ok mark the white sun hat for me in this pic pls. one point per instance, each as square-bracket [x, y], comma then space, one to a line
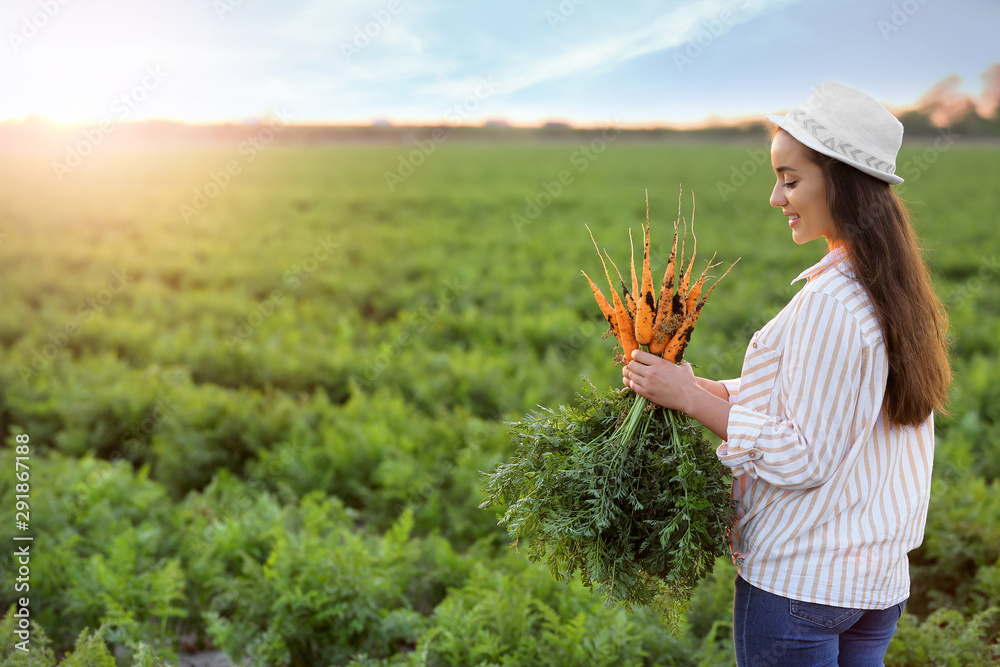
[848, 125]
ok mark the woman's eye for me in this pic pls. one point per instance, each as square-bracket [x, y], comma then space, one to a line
[790, 184]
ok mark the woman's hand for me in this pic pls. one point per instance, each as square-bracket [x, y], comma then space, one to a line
[674, 386]
[665, 383]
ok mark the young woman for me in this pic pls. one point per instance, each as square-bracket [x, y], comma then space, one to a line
[829, 429]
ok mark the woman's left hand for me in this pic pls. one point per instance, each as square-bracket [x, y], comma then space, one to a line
[662, 382]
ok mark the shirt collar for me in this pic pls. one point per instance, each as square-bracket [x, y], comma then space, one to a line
[831, 258]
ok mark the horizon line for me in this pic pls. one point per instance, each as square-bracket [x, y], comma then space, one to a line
[707, 123]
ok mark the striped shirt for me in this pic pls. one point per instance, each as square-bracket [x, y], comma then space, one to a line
[829, 497]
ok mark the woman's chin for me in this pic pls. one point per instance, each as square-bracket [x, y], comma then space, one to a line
[801, 238]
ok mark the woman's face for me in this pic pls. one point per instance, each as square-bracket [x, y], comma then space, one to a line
[800, 190]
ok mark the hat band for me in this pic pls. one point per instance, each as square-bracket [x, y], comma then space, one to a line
[856, 155]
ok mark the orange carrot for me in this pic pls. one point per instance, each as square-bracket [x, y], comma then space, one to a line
[674, 351]
[636, 318]
[662, 334]
[635, 284]
[664, 306]
[626, 336]
[606, 308]
[625, 325]
[646, 307]
[682, 290]
[659, 343]
[626, 295]
[629, 301]
[675, 348]
[695, 292]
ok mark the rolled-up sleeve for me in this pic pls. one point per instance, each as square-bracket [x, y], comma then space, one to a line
[824, 366]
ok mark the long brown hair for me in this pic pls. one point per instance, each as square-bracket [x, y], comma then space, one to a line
[875, 227]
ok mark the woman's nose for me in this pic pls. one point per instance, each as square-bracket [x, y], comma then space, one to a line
[778, 195]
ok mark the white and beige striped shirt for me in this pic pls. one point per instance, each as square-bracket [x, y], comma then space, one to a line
[830, 498]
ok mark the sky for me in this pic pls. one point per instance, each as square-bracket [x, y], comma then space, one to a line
[629, 62]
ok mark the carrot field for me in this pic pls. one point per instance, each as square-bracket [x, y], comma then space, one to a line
[255, 402]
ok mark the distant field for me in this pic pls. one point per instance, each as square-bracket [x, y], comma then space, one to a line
[312, 361]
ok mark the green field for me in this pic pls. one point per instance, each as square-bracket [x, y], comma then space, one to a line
[261, 428]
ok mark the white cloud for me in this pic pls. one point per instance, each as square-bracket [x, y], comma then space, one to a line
[672, 29]
[429, 55]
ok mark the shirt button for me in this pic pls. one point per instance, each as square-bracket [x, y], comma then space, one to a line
[755, 346]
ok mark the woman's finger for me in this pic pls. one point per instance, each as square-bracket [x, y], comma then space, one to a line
[637, 368]
[643, 357]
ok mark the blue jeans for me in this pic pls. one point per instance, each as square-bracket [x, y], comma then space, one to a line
[772, 630]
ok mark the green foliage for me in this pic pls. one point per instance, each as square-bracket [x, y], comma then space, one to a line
[643, 518]
[326, 591]
[523, 617]
[972, 433]
[946, 638]
[89, 650]
[179, 424]
[380, 455]
[708, 625]
[38, 651]
[962, 537]
[108, 538]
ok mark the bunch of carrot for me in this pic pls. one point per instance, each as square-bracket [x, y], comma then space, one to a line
[660, 324]
[626, 492]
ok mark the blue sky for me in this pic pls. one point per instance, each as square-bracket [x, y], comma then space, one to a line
[632, 62]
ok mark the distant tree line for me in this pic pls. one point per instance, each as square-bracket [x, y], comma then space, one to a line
[944, 106]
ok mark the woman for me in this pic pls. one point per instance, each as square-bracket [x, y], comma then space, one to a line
[829, 429]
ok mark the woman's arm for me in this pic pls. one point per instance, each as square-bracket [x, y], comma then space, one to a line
[714, 387]
[710, 409]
